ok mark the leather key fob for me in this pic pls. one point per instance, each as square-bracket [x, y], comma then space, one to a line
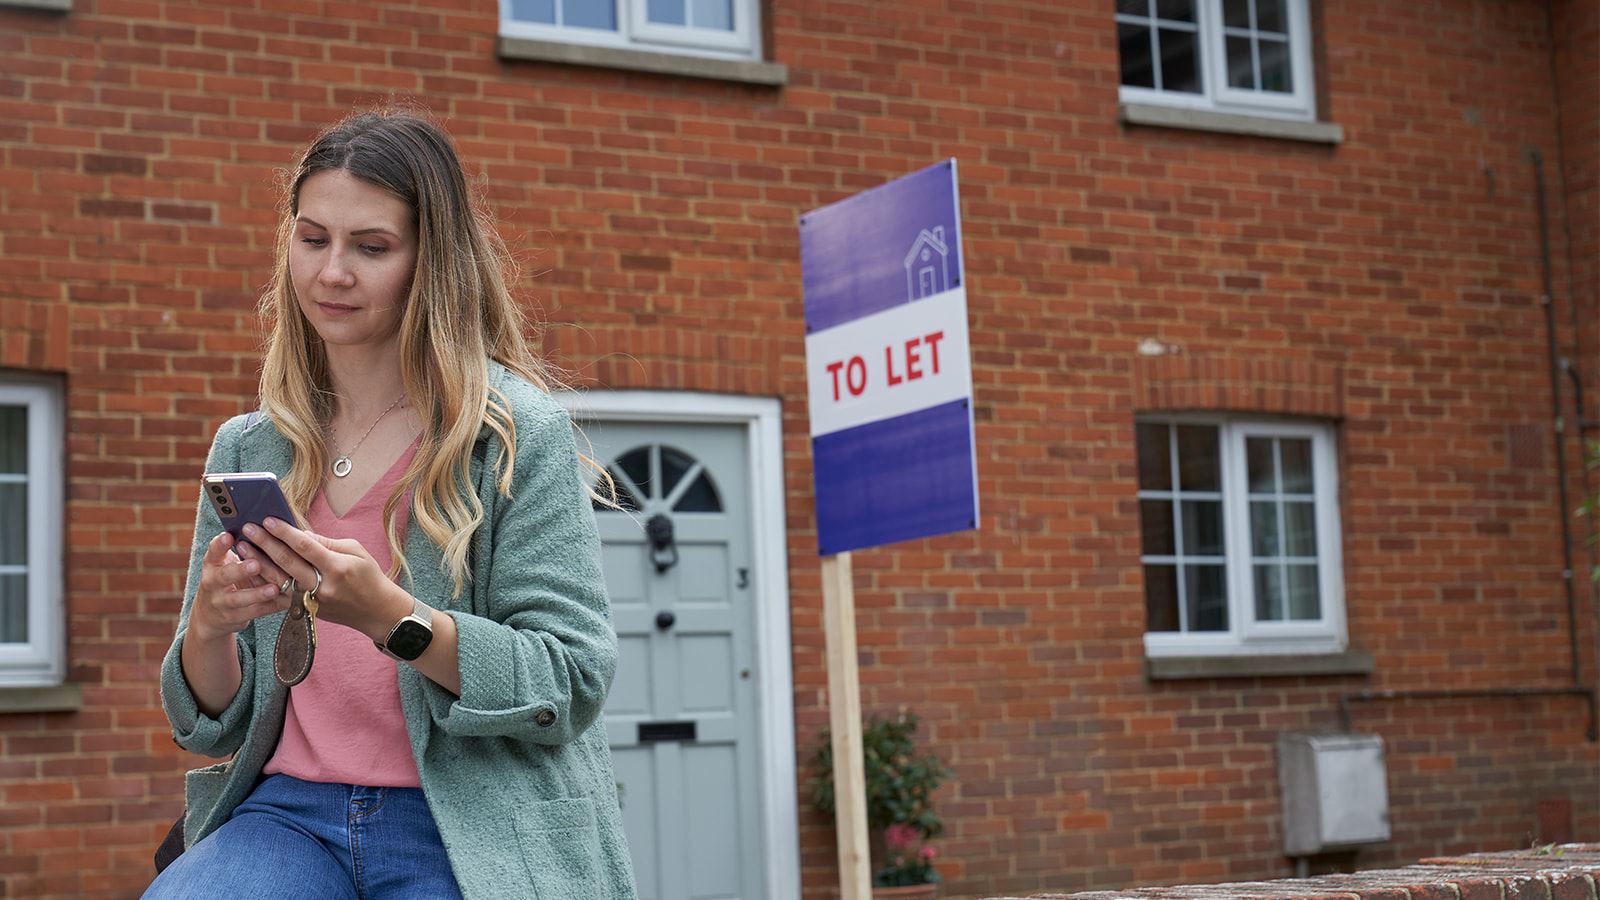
[297, 641]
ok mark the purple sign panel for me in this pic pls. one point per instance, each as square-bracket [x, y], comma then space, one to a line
[888, 365]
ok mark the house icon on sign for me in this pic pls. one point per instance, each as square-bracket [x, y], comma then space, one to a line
[928, 265]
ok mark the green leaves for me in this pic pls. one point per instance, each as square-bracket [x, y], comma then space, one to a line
[900, 777]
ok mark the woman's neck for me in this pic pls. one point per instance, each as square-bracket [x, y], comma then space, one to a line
[365, 379]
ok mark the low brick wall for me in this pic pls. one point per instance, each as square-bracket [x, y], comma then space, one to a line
[1561, 872]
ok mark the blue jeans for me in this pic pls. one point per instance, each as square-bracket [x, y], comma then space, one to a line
[298, 839]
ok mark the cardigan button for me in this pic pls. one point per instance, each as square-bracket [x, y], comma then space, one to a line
[544, 718]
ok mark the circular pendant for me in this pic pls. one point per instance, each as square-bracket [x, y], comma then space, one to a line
[341, 466]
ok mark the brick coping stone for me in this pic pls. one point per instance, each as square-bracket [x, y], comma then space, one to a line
[1557, 872]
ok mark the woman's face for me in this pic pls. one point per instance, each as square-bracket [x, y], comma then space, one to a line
[352, 255]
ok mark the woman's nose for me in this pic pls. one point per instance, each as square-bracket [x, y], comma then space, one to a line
[334, 273]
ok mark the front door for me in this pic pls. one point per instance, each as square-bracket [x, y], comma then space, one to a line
[681, 716]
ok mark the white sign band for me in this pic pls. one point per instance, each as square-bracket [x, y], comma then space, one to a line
[907, 358]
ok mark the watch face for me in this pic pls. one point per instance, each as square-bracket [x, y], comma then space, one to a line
[409, 639]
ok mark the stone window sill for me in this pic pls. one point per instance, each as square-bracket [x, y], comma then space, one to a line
[1170, 668]
[58, 698]
[1229, 123]
[747, 71]
[45, 5]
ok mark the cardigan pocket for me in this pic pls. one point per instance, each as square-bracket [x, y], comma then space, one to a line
[201, 790]
[560, 842]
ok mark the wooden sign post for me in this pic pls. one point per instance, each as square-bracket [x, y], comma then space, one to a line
[844, 705]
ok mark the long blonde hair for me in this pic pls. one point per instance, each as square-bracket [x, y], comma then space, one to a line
[458, 314]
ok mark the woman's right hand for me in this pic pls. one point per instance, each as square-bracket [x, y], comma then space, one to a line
[233, 592]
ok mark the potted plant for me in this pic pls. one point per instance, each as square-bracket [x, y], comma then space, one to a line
[900, 781]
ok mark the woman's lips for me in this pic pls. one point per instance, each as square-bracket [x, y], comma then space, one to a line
[337, 310]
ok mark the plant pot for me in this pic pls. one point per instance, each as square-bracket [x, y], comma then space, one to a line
[907, 892]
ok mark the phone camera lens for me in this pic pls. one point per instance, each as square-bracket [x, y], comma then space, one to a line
[216, 489]
[226, 511]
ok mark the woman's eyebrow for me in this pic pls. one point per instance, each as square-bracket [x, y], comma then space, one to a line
[386, 231]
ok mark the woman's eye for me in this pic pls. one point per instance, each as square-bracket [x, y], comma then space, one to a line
[373, 249]
[313, 241]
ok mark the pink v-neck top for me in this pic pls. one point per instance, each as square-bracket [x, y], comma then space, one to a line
[344, 724]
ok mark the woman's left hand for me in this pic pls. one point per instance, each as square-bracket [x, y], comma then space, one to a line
[355, 592]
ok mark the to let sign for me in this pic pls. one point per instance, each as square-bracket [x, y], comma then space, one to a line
[889, 370]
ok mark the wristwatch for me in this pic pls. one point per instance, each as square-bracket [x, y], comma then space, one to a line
[411, 635]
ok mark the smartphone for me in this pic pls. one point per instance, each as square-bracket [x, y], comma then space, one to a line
[245, 497]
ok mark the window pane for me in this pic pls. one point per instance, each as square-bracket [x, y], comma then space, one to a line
[1155, 516]
[1134, 7]
[1295, 455]
[1176, 10]
[1155, 456]
[1275, 74]
[1236, 13]
[1264, 528]
[1272, 16]
[1241, 65]
[1137, 70]
[1202, 528]
[1207, 596]
[700, 497]
[636, 465]
[622, 496]
[1180, 66]
[1269, 593]
[600, 14]
[716, 14]
[1161, 598]
[1304, 596]
[1197, 458]
[534, 11]
[13, 524]
[1300, 528]
[1258, 460]
[14, 440]
[666, 12]
[673, 465]
[13, 609]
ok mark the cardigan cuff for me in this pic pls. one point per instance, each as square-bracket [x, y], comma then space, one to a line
[192, 729]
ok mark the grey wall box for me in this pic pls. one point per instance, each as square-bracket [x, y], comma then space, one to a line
[1335, 794]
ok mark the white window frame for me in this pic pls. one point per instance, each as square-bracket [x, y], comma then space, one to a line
[1215, 94]
[636, 32]
[42, 659]
[1245, 635]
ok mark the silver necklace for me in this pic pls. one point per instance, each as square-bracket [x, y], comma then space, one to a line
[342, 465]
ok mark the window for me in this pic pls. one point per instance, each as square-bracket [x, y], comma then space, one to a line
[1240, 537]
[716, 28]
[31, 644]
[1235, 56]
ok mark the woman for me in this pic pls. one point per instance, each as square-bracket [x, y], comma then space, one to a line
[441, 744]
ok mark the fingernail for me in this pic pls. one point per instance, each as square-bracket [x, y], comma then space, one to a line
[271, 523]
[251, 530]
[252, 567]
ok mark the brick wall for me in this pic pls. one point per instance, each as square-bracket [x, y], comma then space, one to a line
[1391, 280]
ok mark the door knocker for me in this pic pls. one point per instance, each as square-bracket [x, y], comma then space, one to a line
[663, 552]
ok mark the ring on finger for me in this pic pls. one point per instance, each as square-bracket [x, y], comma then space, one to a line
[287, 584]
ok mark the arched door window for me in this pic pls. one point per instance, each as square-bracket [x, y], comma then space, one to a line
[657, 478]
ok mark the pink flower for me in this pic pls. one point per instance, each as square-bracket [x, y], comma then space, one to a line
[928, 853]
[901, 836]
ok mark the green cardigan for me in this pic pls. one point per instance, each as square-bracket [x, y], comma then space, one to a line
[526, 803]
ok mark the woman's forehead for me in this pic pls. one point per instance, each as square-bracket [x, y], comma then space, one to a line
[339, 201]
